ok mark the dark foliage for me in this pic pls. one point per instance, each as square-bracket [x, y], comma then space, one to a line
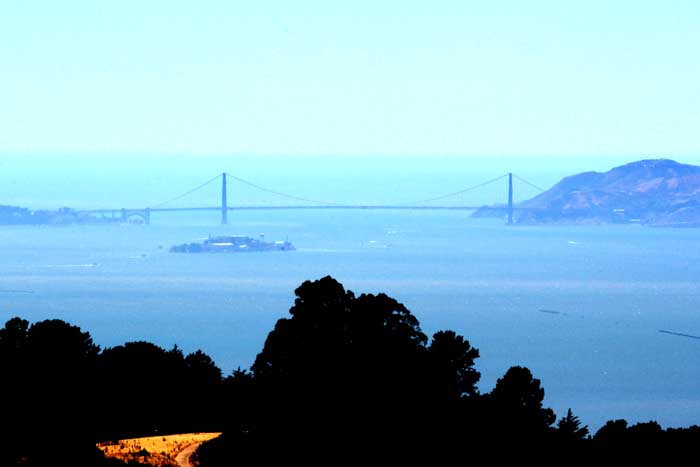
[157, 391]
[645, 443]
[347, 376]
[48, 373]
[452, 365]
[517, 400]
[570, 427]
[353, 379]
[62, 394]
[343, 379]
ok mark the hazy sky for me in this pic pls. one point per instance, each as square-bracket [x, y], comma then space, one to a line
[362, 77]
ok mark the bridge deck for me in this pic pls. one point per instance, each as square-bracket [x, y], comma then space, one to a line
[249, 208]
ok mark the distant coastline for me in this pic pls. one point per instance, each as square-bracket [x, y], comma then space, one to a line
[651, 192]
[16, 215]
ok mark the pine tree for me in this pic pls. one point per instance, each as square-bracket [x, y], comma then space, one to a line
[570, 427]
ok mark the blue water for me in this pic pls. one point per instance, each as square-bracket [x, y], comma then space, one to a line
[602, 355]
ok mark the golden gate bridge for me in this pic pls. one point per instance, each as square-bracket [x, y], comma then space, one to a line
[224, 207]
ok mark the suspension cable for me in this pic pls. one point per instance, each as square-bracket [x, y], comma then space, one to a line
[187, 193]
[279, 193]
[455, 193]
[528, 183]
[308, 200]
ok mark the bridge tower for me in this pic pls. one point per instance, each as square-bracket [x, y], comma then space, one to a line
[224, 203]
[510, 198]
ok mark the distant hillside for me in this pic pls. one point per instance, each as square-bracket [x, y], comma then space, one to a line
[655, 192]
[15, 215]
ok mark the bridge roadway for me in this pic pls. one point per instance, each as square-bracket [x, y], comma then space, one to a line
[224, 207]
[333, 206]
[145, 213]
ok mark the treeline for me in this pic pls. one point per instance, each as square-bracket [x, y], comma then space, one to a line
[354, 379]
[344, 378]
[62, 393]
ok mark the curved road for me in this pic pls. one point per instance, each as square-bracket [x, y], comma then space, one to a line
[183, 458]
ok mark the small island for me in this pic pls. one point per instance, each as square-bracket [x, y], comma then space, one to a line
[232, 244]
[651, 192]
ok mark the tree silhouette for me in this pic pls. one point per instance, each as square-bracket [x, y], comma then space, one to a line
[201, 387]
[49, 369]
[13, 338]
[520, 392]
[352, 373]
[570, 440]
[610, 432]
[570, 427]
[643, 443]
[515, 411]
[172, 392]
[202, 369]
[15, 428]
[452, 359]
[334, 344]
[62, 360]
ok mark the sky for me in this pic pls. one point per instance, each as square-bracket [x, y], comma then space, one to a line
[396, 78]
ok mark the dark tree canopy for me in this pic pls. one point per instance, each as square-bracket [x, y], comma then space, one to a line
[62, 394]
[347, 369]
[612, 430]
[13, 338]
[201, 369]
[162, 391]
[57, 341]
[331, 332]
[47, 377]
[516, 402]
[336, 343]
[343, 379]
[569, 427]
[453, 362]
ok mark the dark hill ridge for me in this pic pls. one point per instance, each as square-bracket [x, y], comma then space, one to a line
[655, 192]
